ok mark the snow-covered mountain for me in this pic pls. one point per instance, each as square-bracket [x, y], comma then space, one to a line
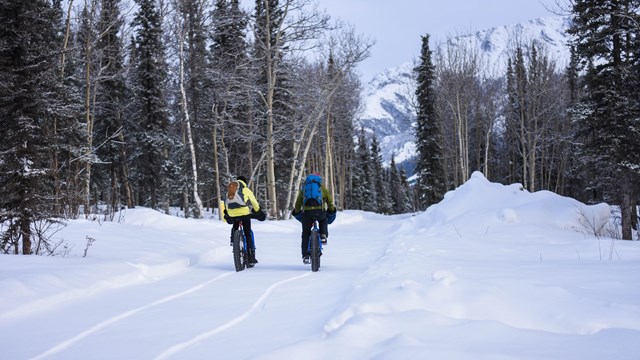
[389, 110]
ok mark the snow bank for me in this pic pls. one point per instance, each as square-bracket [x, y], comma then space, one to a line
[145, 245]
[487, 204]
[511, 267]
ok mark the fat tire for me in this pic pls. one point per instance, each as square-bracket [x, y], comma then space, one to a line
[239, 259]
[315, 251]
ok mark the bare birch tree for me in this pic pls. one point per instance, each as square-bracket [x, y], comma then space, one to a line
[458, 66]
[282, 28]
[181, 31]
[343, 50]
[533, 108]
[88, 38]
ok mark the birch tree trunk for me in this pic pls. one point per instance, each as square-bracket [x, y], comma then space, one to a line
[296, 25]
[329, 175]
[89, 124]
[304, 155]
[626, 206]
[298, 166]
[215, 161]
[293, 26]
[293, 173]
[66, 39]
[523, 148]
[458, 110]
[464, 139]
[272, 53]
[56, 180]
[125, 172]
[194, 168]
[297, 163]
[487, 143]
[533, 159]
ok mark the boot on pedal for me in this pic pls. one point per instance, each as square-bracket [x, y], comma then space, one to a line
[252, 257]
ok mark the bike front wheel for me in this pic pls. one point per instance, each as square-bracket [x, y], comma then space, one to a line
[238, 251]
[315, 251]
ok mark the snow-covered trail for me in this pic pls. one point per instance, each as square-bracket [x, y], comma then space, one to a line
[490, 272]
[207, 307]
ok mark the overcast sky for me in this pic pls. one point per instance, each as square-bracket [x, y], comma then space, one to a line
[397, 25]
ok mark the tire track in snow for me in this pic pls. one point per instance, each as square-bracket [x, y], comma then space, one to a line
[69, 342]
[233, 322]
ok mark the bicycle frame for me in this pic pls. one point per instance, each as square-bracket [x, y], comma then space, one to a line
[244, 237]
[314, 229]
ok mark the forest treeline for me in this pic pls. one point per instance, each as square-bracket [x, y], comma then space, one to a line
[110, 104]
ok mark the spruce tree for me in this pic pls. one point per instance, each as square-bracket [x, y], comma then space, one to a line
[228, 37]
[394, 186]
[431, 183]
[380, 190]
[408, 199]
[230, 88]
[31, 100]
[111, 173]
[151, 118]
[575, 180]
[605, 37]
[514, 112]
[67, 132]
[362, 185]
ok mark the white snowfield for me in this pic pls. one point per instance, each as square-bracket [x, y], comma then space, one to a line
[491, 272]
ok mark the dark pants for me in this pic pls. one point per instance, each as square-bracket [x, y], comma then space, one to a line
[307, 223]
[246, 226]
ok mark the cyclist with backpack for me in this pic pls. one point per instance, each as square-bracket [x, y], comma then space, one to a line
[237, 202]
[314, 202]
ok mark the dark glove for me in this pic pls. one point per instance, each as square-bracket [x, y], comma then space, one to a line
[259, 215]
[227, 218]
[297, 215]
[331, 215]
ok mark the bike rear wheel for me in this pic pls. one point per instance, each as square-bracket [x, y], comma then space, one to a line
[315, 250]
[238, 251]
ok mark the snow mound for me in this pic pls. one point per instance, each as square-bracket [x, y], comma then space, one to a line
[149, 217]
[490, 204]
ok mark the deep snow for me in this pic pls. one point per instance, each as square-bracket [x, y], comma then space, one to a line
[491, 272]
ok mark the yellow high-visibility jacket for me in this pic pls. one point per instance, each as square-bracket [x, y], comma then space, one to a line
[249, 199]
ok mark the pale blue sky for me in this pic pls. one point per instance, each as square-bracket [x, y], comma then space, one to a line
[397, 25]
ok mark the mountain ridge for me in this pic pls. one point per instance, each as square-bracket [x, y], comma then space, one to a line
[389, 98]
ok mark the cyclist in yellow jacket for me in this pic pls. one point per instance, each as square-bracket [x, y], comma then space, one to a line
[240, 206]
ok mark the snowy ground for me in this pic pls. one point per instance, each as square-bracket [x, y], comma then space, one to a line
[492, 272]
